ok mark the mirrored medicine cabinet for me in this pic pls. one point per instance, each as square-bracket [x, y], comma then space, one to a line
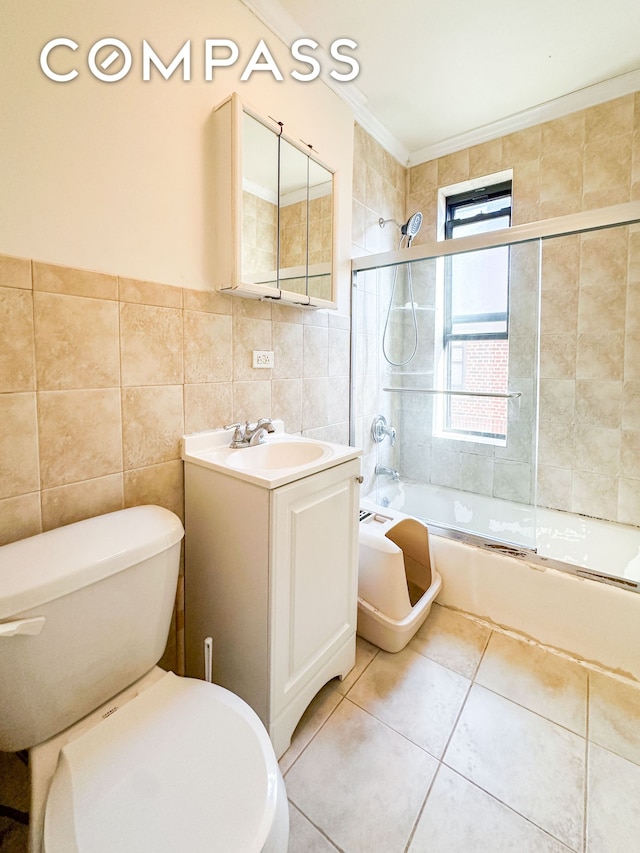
[274, 210]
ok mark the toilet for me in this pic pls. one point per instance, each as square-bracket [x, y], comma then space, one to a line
[123, 755]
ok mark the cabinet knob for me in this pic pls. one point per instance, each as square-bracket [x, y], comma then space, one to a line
[360, 479]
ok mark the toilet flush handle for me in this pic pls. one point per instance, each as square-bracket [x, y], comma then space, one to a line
[22, 626]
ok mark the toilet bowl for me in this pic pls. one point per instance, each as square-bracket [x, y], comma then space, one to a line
[123, 755]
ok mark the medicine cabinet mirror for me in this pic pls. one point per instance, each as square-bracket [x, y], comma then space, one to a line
[275, 223]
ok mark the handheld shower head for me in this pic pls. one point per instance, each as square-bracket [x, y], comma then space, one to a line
[409, 229]
[412, 226]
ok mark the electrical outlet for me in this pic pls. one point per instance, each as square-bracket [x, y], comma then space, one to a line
[262, 358]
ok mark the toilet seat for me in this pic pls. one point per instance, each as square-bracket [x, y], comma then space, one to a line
[185, 765]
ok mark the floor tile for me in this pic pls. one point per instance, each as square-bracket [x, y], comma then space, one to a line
[460, 817]
[365, 653]
[304, 837]
[529, 763]
[613, 803]
[322, 706]
[361, 783]
[544, 682]
[451, 639]
[417, 697]
[614, 715]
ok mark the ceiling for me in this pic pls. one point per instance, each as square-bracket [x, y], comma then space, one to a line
[436, 77]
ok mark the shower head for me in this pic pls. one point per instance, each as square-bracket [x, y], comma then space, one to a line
[412, 226]
[409, 229]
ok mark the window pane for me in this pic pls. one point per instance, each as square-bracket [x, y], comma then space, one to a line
[479, 366]
[480, 289]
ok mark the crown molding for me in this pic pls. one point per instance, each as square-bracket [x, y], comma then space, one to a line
[283, 25]
[590, 96]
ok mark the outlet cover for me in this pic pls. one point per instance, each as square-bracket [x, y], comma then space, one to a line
[262, 358]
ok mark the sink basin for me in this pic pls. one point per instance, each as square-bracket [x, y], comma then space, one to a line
[276, 454]
[283, 458]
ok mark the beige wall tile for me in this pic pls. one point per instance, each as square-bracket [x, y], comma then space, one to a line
[18, 445]
[632, 357]
[80, 435]
[315, 396]
[559, 311]
[607, 171]
[207, 406]
[611, 118]
[554, 487]
[628, 501]
[249, 335]
[600, 356]
[208, 352]
[149, 293]
[19, 517]
[453, 168]
[287, 350]
[604, 258]
[630, 453]
[286, 403]
[485, 159]
[557, 400]
[631, 404]
[560, 183]
[150, 345]
[76, 342]
[597, 450]
[209, 301]
[594, 494]
[521, 147]
[561, 263]
[74, 282]
[339, 352]
[558, 356]
[251, 400]
[77, 501]
[162, 485]
[567, 132]
[152, 425]
[15, 272]
[17, 356]
[315, 351]
[599, 403]
[601, 310]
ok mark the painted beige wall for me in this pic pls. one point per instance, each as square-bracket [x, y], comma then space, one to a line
[116, 177]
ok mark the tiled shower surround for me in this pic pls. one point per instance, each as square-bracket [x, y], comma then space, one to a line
[589, 408]
[100, 376]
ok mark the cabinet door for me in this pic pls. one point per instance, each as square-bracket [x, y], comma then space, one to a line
[313, 576]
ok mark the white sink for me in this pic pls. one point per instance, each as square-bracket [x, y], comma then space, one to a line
[277, 453]
[282, 459]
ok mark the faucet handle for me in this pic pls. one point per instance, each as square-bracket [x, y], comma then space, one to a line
[238, 435]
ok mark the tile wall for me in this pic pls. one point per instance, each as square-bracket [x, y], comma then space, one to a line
[590, 312]
[101, 375]
[378, 192]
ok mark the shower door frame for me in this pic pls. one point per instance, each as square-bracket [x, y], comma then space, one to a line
[561, 226]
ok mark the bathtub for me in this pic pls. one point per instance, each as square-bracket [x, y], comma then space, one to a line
[555, 596]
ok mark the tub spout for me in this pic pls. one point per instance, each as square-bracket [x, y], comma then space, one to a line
[383, 469]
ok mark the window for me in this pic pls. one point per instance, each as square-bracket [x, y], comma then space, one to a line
[476, 316]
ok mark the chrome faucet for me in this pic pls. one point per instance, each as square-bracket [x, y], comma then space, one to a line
[250, 434]
[382, 469]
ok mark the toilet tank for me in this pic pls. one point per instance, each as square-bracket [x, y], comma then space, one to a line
[85, 610]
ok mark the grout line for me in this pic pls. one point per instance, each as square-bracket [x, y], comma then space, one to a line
[315, 826]
[586, 769]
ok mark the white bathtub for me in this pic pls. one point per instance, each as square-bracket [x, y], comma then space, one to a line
[598, 623]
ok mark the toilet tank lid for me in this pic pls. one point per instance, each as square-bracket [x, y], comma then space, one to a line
[49, 565]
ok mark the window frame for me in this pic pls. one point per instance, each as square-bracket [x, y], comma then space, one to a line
[453, 203]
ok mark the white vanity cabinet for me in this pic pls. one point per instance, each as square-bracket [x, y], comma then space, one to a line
[271, 576]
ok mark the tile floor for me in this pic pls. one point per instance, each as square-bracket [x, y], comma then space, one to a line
[467, 741]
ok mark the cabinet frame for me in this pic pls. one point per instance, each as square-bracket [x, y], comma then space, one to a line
[228, 141]
[240, 577]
